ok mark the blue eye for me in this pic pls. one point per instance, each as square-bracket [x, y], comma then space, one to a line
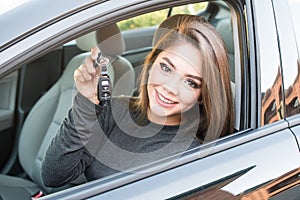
[192, 84]
[165, 68]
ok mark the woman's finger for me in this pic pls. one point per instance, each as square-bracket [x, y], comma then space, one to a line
[90, 66]
[94, 52]
[78, 75]
[84, 72]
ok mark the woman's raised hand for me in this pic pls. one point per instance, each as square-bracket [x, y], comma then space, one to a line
[86, 77]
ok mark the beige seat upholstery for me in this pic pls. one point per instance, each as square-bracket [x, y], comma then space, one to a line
[112, 45]
[45, 117]
[224, 27]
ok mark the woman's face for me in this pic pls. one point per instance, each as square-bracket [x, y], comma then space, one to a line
[174, 84]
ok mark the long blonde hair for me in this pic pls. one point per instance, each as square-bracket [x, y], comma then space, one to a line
[215, 101]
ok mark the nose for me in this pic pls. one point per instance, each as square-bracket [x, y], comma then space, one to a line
[172, 84]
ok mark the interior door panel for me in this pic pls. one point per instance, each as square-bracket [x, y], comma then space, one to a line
[8, 88]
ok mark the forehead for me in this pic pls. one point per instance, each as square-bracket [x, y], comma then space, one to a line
[185, 55]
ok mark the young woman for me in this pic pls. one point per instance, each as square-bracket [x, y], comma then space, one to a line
[184, 99]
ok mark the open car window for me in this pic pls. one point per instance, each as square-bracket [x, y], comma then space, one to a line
[41, 91]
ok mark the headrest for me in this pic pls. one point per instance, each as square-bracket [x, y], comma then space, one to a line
[108, 38]
[86, 42]
[167, 24]
[223, 27]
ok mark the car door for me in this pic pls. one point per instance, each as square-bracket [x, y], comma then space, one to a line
[250, 158]
[263, 148]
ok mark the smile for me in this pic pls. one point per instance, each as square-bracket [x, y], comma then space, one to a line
[163, 99]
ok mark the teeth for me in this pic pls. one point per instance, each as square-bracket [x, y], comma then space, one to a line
[164, 99]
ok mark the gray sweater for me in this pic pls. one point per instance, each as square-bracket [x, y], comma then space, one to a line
[100, 141]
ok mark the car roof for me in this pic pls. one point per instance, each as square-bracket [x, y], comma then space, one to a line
[34, 14]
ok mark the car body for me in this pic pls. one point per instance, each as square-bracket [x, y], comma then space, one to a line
[259, 161]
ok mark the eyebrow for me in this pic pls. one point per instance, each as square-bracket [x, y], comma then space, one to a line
[194, 77]
[188, 75]
[169, 61]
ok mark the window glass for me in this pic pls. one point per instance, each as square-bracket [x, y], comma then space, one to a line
[145, 20]
[269, 63]
[292, 81]
[295, 13]
[156, 17]
[190, 8]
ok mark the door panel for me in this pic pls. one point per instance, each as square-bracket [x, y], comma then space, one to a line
[8, 88]
[261, 160]
[263, 155]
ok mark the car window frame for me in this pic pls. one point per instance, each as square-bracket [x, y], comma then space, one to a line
[289, 51]
[229, 142]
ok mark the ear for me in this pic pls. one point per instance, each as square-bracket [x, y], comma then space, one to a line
[200, 100]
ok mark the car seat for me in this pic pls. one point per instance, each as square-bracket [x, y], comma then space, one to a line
[45, 117]
[224, 27]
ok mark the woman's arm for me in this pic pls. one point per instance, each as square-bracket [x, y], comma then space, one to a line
[70, 151]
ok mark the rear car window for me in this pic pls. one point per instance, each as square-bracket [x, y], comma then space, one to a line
[156, 17]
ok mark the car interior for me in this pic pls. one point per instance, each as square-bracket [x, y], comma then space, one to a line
[43, 101]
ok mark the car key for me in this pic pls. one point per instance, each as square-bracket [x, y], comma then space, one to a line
[104, 84]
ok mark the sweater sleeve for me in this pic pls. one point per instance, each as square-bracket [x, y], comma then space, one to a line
[71, 150]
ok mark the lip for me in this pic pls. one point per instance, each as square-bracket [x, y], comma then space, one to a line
[162, 103]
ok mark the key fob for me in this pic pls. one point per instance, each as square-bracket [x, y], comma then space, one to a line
[104, 83]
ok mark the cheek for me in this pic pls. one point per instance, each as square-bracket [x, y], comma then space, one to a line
[189, 98]
[154, 76]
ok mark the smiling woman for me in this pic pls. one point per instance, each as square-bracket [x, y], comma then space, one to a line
[174, 89]
[204, 56]
[172, 113]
